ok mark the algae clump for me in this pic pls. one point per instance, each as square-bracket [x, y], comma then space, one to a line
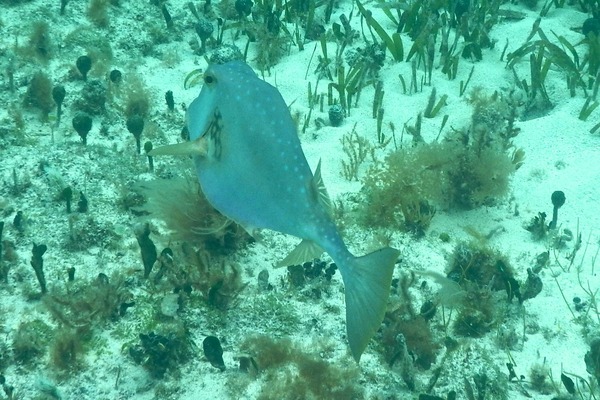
[287, 372]
[468, 168]
[39, 94]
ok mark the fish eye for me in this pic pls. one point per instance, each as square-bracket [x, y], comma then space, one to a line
[208, 79]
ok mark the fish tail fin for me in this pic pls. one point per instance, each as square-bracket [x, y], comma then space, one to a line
[367, 282]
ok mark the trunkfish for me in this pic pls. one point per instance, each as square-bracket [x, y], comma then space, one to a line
[252, 169]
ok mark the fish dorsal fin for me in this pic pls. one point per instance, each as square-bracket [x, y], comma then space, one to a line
[307, 250]
[321, 191]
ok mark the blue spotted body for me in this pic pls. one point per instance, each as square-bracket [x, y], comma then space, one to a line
[251, 168]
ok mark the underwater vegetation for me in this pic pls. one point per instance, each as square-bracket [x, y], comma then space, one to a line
[466, 169]
[309, 272]
[188, 216]
[77, 311]
[84, 65]
[218, 279]
[592, 359]
[92, 99]
[159, 354]
[468, 304]
[39, 94]
[85, 304]
[478, 264]
[85, 231]
[31, 341]
[137, 101]
[286, 371]
[481, 272]
[67, 352]
[211, 345]
[538, 226]
[539, 378]
[400, 192]
[579, 73]
[40, 42]
[97, 12]
[147, 247]
[193, 280]
[407, 339]
[82, 123]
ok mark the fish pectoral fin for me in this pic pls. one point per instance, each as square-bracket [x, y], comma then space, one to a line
[198, 147]
[307, 250]
[320, 191]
